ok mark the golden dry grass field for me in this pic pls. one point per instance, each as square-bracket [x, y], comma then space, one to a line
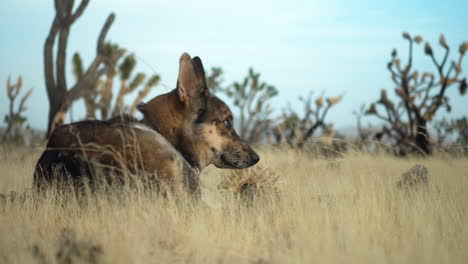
[345, 211]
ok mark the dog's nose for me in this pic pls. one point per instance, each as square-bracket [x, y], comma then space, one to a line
[255, 158]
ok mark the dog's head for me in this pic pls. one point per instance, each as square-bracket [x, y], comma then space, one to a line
[197, 123]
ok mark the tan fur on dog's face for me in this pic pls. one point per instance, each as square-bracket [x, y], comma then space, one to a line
[217, 139]
[197, 123]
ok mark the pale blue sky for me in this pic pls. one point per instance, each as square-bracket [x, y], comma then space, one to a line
[326, 46]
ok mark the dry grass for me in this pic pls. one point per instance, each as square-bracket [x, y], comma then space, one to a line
[320, 211]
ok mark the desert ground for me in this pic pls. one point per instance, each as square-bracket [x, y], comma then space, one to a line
[310, 209]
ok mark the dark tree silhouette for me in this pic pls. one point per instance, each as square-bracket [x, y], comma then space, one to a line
[419, 96]
[61, 95]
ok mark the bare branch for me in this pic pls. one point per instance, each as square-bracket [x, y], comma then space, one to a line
[49, 57]
[59, 9]
[410, 56]
[79, 11]
[443, 43]
[61, 60]
[438, 100]
[428, 89]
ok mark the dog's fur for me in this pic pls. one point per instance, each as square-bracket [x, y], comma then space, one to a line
[182, 132]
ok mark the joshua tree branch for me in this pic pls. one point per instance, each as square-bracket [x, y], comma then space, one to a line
[49, 57]
[410, 56]
[439, 69]
[404, 85]
[79, 11]
[92, 74]
[318, 123]
[61, 59]
[102, 36]
[438, 101]
[444, 60]
[21, 107]
[428, 89]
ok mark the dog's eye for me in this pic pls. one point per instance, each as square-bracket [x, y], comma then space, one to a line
[227, 123]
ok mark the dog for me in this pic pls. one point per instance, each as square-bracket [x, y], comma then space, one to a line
[181, 133]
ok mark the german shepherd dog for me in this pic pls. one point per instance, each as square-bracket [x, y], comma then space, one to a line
[181, 133]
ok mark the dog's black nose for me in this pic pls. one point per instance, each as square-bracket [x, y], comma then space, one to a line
[255, 158]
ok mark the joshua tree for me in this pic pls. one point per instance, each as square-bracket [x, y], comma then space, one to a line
[455, 127]
[296, 130]
[100, 95]
[61, 96]
[419, 96]
[126, 69]
[461, 128]
[251, 97]
[368, 134]
[15, 119]
[443, 129]
[364, 133]
[215, 79]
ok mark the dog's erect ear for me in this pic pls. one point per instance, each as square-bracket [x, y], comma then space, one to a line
[191, 84]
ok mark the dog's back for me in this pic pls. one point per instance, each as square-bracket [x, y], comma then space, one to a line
[88, 148]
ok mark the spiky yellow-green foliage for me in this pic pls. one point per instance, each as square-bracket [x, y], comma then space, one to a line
[137, 80]
[100, 97]
[127, 66]
[77, 66]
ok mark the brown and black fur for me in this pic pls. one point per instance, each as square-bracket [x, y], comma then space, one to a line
[104, 151]
[196, 124]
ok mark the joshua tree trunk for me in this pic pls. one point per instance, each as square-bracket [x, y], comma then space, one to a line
[422, 139]
[60, 96]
